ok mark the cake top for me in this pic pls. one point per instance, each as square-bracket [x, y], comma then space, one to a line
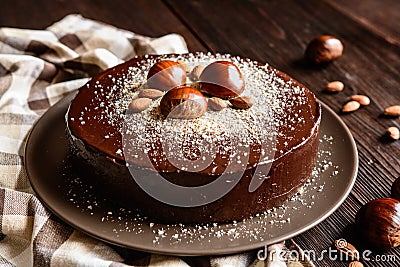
[283, 113]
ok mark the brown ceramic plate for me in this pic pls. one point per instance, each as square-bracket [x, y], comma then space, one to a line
[74, 200]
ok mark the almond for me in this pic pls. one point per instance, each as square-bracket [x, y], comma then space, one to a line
[217, 104]
[242, 102]
[150, 93]
[194, 75]
[392, 111]
[356, 264]
[139, 104]
[393, 132]
[346, 249]
[351, 106]
[362, 99]
[335, 86]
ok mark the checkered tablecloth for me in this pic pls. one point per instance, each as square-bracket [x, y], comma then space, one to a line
[38, 68]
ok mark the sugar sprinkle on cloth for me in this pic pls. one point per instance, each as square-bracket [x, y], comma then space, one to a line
[38, 68]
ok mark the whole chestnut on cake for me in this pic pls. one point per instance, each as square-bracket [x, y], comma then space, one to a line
[222, 79]
[379, 223]
[183, 103]
[165, 75]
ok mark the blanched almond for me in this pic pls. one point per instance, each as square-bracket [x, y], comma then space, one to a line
[346, 249]
[150, 93]
[393, 132]
[351, 106]
[335, 86]
[139, 104]
[362, 99]
[392, 111]
[356, 264]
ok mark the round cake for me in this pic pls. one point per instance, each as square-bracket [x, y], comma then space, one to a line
[195, 138]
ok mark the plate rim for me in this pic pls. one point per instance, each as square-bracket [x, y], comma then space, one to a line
[227, 250]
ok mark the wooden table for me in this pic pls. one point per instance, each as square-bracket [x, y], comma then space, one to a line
[278, 32]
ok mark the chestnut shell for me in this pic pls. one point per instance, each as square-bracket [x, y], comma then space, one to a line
[396, 189]
[324, 49]
[222, 79]
[165, 75]
[183, 103]
[378, 222]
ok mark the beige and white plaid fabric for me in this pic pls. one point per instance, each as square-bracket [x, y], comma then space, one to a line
[37, 68]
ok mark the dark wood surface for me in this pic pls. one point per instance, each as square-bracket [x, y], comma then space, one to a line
[278, 32]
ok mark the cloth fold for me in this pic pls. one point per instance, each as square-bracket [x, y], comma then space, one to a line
[37, 69]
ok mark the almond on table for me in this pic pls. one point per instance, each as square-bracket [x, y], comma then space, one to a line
[362, 99]
[355, 264]
[346, 249]
[351, 106]
[392, 111]
[393, 132]
[335, 86]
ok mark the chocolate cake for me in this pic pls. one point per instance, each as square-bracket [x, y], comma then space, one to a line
[195, 138]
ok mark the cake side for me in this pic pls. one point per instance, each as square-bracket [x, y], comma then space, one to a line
[286, 177]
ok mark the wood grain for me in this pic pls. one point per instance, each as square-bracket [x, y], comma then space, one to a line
[150, 18]
[380, 17]
[277, 32]
[369, 66]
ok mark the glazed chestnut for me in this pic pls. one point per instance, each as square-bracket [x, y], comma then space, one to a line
[324, 49]
[165, 75]
[183, 103]
[222, 79]
[396, 189]
[379, 223]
